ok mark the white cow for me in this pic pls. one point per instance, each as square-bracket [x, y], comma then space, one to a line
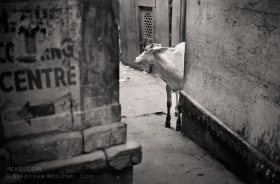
[169, 64]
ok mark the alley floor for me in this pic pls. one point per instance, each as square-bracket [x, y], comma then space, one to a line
[168, 156]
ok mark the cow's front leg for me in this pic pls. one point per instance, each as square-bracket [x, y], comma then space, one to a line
[178, 123]
[177, 100]
[169, 104]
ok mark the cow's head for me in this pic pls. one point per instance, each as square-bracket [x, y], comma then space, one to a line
[147, 56]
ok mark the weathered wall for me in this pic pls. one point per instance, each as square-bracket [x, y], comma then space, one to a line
[59, 88]
[232, 66]
[39, 67]
[133, 39]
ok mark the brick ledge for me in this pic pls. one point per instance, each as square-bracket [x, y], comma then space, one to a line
[115, 158]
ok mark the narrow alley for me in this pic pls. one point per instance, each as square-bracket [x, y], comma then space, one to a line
[72, 113]
[168, 156]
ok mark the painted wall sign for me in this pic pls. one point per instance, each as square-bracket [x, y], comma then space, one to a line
[39, 42]
[24, 80]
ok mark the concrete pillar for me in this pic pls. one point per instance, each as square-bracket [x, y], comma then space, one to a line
[59, 88]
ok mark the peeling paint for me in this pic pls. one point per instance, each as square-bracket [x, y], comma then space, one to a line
[39, 63]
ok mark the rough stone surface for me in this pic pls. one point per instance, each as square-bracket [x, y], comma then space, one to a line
[232, 68]
[92, 161]
[99, 57]
[116, 112]
[118, 133]
[125, 155]
[38, 125]
[43, 68]
[96, 138]
[102, 115]
[81, 66]
[11, 181]
[44, 148]
[4, 161]
[101, 137]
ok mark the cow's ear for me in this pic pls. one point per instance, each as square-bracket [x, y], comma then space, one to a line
[158, 49]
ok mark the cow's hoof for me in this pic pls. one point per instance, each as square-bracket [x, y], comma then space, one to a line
[178, 128]
[167, 121]
[167, 125]
[176, 114]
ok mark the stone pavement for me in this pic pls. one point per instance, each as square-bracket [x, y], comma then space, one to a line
[168, 156]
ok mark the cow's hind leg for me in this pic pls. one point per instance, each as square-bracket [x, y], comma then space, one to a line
[169, 104]
[178, 123]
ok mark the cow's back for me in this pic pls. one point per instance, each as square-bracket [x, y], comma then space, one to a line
[170, 65]
[178, 56]
[180, 49]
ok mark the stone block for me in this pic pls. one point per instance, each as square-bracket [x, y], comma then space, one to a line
[14, 127]
[103, 115]
[4, 161]
[97, 117]
[96, 138]
[95, 101]
[10, 181]
[44, 148]
[114, 96]
[77, 120]
[124, 155]
[104, 136]
[100, 116]
[92, 161]
[116, 112]
[121, 176]
[118, 133]
[1, 133]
